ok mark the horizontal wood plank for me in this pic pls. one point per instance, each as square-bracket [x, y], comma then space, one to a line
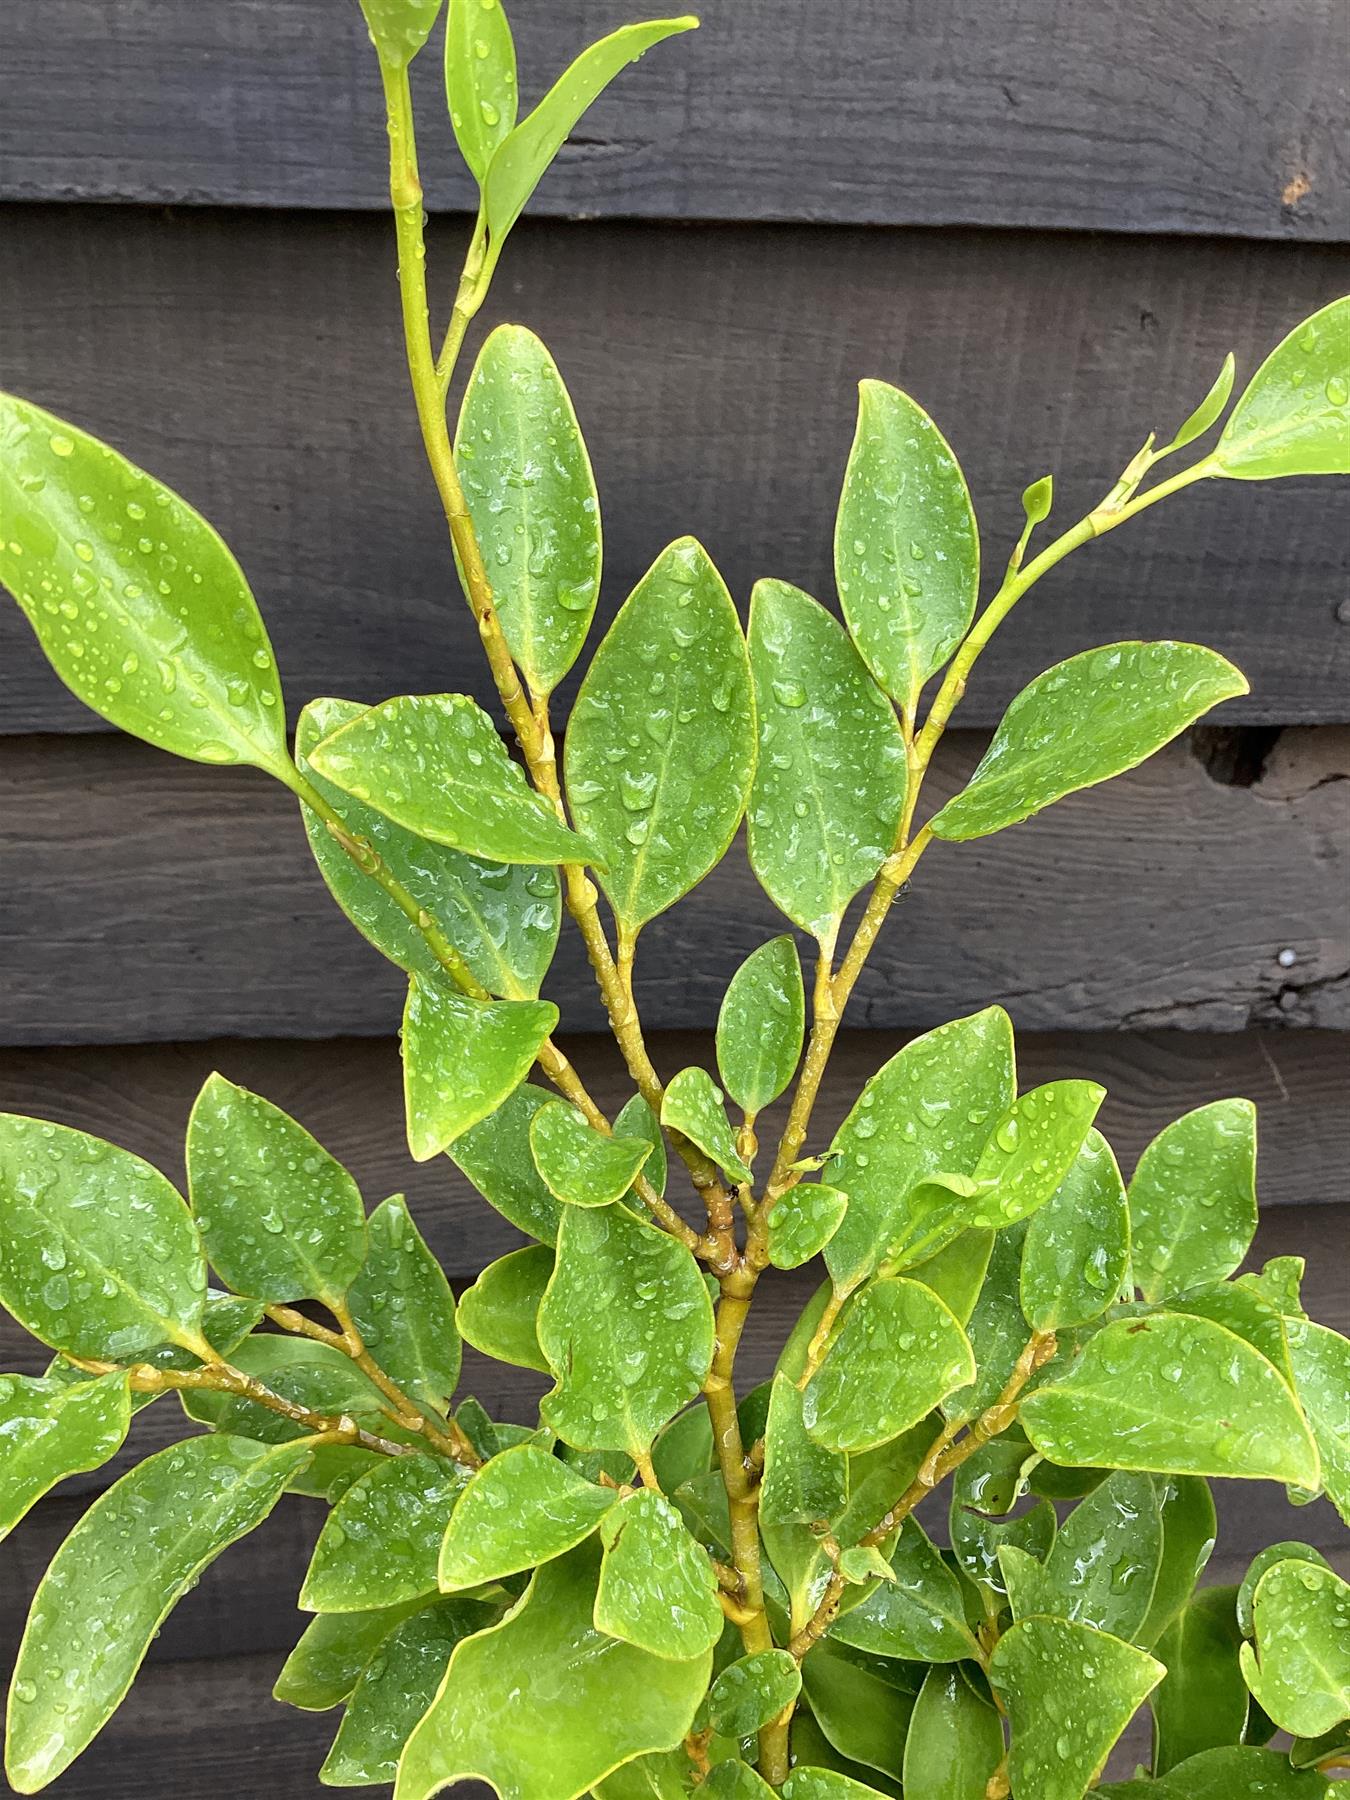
[254, 362]
[1199, 116]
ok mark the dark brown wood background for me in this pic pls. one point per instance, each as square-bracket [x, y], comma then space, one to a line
[1048, 222]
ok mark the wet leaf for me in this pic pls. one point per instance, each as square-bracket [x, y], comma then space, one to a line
[906, 549]
[1293, 417]
[807, 1783]
[1321, 1363]
[802, 1222]
[1243, 1312]
[753, 1692]
[1189, 1526]
[957, 1273]
[399, 28]
[858, 1706]
[1202, 1702]
[137, 603]
[802, 1480]
[657, 1586]
[981, 1522]
[499, 1313]
[1031, 1150]
[403, 1307]
[954, 1743]
[314, 1375]
[496, 1157]
[635, 1119]
[919, 1615]
[1299, 1672]
[226, 1322]
[692, 1105]
[1082, 722]
[333, 1651]
[761, 1025]
[996, 1329]
[1103, 1565]
[830, 779]
[1222, 1774]
[1193, 1199]
[1209, 409]
[53, 1428]
[1077, 1249]
[380, 1543]
[658, 1777]
[733, 1780]
[462, 1058]
[480, 79]
[521, 1508]
[579, 1164]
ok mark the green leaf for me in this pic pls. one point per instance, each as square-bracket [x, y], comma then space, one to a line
[1202, 1703]
[1222, 1774]
[683, 1450]
[502, 918]
[858, 1706]
[1208, 410]
[312, 1374]
[1321, 1364]
[657, 1586]
[281, 1219]
[1076, 1253]
[480, 79]
[954, 1743]
[1299, 1672]
[137, 603]
[399, 28]
[462, 1058]
[434, 764]
[957, 1273]
[692, 1105]
[734, 1780]
[658, 1777]
[803, 1481]
[1279, 1283]
[830, 779]
[1186, 1512]
[403, 1307]
[595, 1702]
[527, 151]
[761, 1025]
[226, 1322]
[1031, 1150]
[930, 1109]
[53, 1428]
[1293, 418]
[802, 1222]
[499, 1313]
[380, 1543]
[99, 1256]
[579, 1164]
[635, 1119]
[1085, 720]
[981, 1522]
[333, 1652]
[667, 696]
[897, 1354]
[1175, 1395]
[918, 1615]
[627, 1328]
[825, 1784]
[1243, 1312]
[114, 1581]
[496, 1157]
[1069, 1692]
[996, 1329]
[530, 490]
[1103, 1565]
[906, 548]
[753, 1692]
[1193, 1199]
[521, 1508]
[1313, 1753]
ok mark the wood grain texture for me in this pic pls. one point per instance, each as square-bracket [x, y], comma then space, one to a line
[255, 362]
[1198, 116]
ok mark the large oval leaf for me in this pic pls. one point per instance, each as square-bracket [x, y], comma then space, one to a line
[51, 1428]
[402, 1305]
[660, 750]
[480, 79]
[761, 1024]
[1082, 722]
[1077, 1248]
[1294, 418]
[142, 610]
[462, 1058]
[1193, 1199]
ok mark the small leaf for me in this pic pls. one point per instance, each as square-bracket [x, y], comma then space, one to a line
[434, 764]
[1202, 1702]
[1032, 1149]
[1193, 1199]
[462, 1058]
[380, 1543]
[1299, 1672]
[1186, 1512]
[499, 1313]
[99, 1257]
[802, 1222]
[530, 490]
[918, 1615]
[1038, 499]
[1293, 418]
[657, 1586]
[761, 1025]
[137, 603]
[1104, 1562]
[53, 1428]
[114, 1581]
[981, 1522]
[1321, 1363]
[752, 1692]
[1209, 408]
[579, 1164]
[830, 779]
[635, 1119]
[281, 1219]
[1175, 1395]
[522, 1508]
[1077, 1249]
[954, 1743]
[496, 1157]
[996, 1329]
[860, 1705]
[864, 1563]
[480, 79]
[399, 28]
[803, 1481]
[1082, 722]
[734, 1780]
[333, 1651]
[692, 1105]
[669, 692]
[906, 550]
[403, 1307]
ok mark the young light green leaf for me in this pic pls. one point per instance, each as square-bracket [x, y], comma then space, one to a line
[1176, 1395]
[1193, 1199]
[761, 1025]
[802, 1223]
[1321, 1364]
[1202, 1704]
[1293, 417]
[1031, 1150]
[830, 778]
[462, 1058]
[692, 1105]
[137, 603]
[1085, 720]
[434, 764]
[657, 1586]
[1069, 1692]
[1299, 1672]
[530, 490]
[480, 79]
[499, 1313]
[595, 1702]
[954, 1743]
[333, 1651]
[918, 1615]
[906, 548]
[803, 1481]
[1189, 1526]
[402, 1306]
[668, 693]
[521, 1508]
[1077, 1249]
[496, 1157]
[1037, 500]
[380, 1543]
[53, 1428]
[281, 1219]
[635, 1119]
[752, 1692]
[99, 1257]
[1103, 1565]
[1209, 408]
[399, 28]
[113, 1582]
[863, 1706]
[627, 1328]
[579, 1164]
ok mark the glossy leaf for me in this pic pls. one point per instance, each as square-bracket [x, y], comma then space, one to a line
[281, 1219]
[1077, 1249]
[1293, 417]
[1031, 1150]
[480, 79]
[627, 1328]
[692, 1106]
[99, 1256]
[954, 1743]
[137, 1550]
[434, 764]
[1222, 1774]
[761, 1025]
[333, 1652]
[579, 1164]
[399, 28]
[1083, 721]
[660, 748]
[53, 1428]
[1103, 1565]
[521, 1508]
[499, 1313]
[403, 1307]
[1246, 1314]
[137, 603]
[380, 1543]
[1189, 1526]
[753, 1692]
[1175, 1395]
[1193, 1199]
[1209, 409]
[1321, 1364]
[635, 1119]
[802, 1222]
[314, 1375]
[830, 779]
[981, 1520]
[657, 1586]
[1069, 1692]
[957, 1272]
[1202, 1702]
[496, 1157]
[810, 1783]
[802, 1481]
[918, 1615]
[1299, 1672]
[996, 1329]
[906, 550]
[528, 482]
[859, 1706]
[595, 1702]
[462, 1058]
[502, 918]
[661, 1776]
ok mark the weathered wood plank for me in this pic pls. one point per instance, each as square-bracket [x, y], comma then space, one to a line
[1194, 117]
[714, 374]
[144, 898]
